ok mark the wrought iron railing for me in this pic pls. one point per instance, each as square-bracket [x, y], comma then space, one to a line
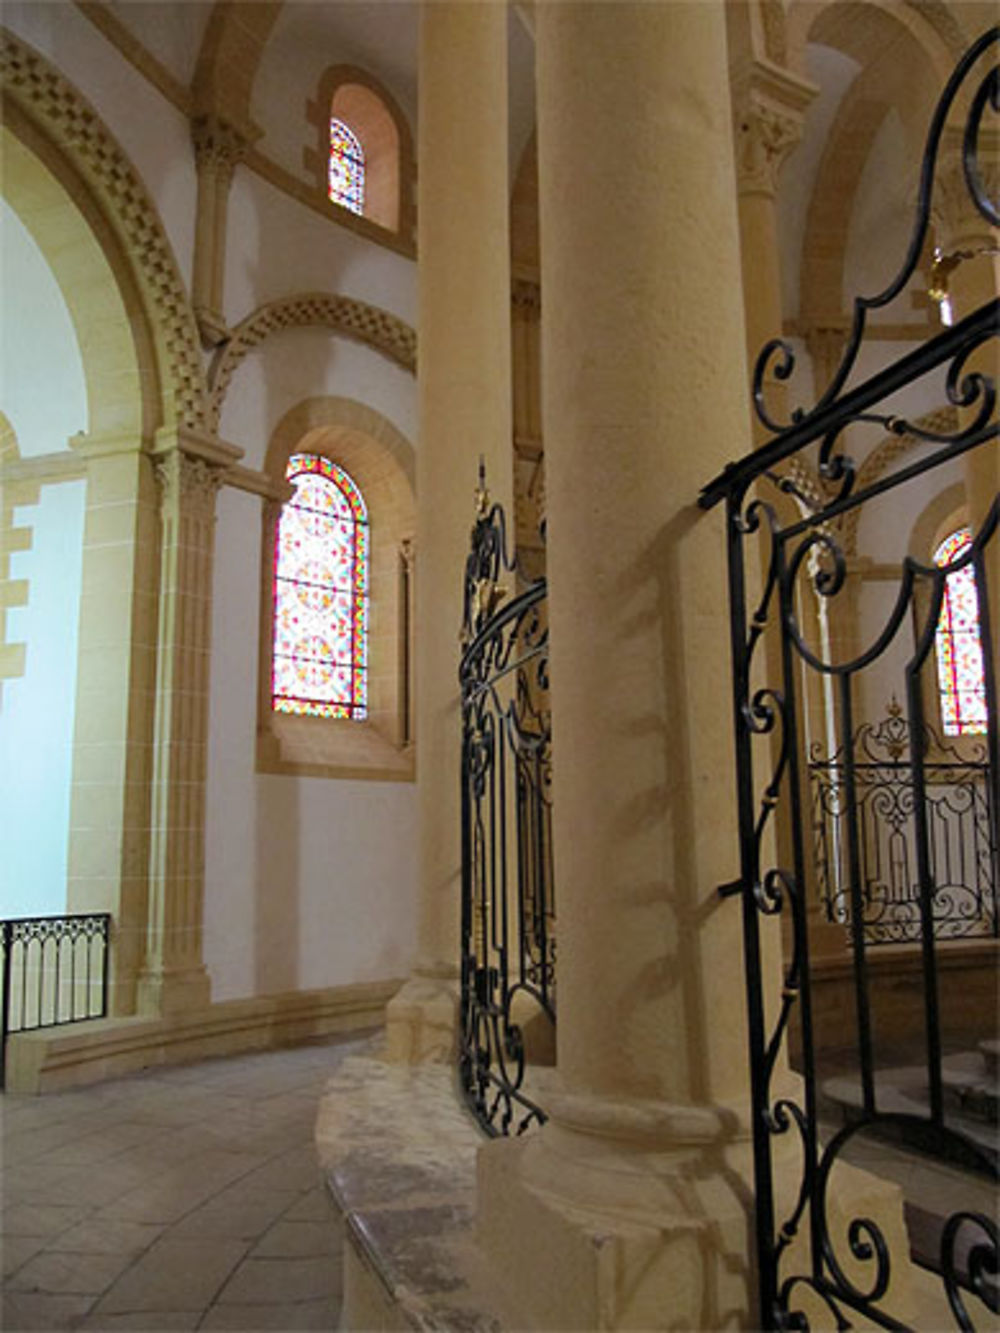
[55, 971]
[508, 908]
[790, 579]
[958, 801]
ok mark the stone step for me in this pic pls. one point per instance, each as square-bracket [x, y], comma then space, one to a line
[924, 1227]
[973, 1093]
[990, 1051]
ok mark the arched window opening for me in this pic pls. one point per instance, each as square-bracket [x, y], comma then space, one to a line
[346, 167]
[320, 659]
[961, 678]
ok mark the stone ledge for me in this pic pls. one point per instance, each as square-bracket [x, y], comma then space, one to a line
[50, 1059]
[399, 1152]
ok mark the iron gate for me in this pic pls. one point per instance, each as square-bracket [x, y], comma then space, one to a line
[508, 908]
[957, 782]
[790, 579]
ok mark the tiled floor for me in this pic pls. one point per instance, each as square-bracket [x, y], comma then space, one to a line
[183, 1198]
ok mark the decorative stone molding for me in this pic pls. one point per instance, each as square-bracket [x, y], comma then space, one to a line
[940, 17]
[64, 116]
[768, 109]
[191, 482]
[369, 324]
[217, 143]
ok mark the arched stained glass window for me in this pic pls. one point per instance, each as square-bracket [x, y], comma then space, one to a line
[347, 167]
[320, 659]
[961, 680]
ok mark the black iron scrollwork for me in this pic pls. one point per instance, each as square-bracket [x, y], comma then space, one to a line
[508, 909]
[777, 358]
[896, 807]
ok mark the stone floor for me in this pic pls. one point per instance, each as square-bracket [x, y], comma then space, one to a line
[183, 1198]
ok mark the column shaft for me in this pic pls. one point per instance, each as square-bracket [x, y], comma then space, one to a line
[465, 400]
[644, 396]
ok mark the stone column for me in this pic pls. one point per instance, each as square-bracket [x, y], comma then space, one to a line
[465, 413]
[629, 1208]
[189, 471]
[218, 146]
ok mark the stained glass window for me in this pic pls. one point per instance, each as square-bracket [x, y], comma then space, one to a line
[961, 680]
[321, 594]
[347, 167]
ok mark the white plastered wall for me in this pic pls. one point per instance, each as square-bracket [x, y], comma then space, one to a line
[309, 881]
[153, 134]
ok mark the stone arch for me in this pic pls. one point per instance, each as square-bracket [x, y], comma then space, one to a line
[377, 328]
[381, 460]
[384, 131]
[230, 55]
[102, 301]
[63, 126]
[905, 63]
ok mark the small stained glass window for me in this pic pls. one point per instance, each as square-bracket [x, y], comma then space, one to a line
[961, 678]
[347, 167]
[321, 594]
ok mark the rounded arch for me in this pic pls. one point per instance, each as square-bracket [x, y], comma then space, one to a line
[904, 63]
[374, 115]
[46, 111]
[369, 324]
[102, 302]
[381, 461]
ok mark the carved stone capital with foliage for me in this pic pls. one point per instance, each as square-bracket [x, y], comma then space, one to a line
[218, 145]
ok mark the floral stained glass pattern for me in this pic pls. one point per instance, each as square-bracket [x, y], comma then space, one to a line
[961, 680]
[321, 594]
[347, 167]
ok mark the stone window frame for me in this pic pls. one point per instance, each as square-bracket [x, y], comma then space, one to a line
[941, 516]
[381, 746]
[369, 109]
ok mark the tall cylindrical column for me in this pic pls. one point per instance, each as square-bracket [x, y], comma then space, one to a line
[465, 414]
[644, 395]
[623, 1193]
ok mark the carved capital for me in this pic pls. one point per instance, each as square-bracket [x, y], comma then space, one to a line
[218, 145]
[188, 484]
[407, 553]
[765, 133]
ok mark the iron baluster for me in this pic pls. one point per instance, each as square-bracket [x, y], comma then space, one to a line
[875, 817]
[502, 639]
[861, 997]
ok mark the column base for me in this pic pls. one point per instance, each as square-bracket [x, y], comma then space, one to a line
[173, 991]
[653, 1227]
[421, 1020]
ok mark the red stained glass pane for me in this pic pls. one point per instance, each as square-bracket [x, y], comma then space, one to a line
[346, 180]
[961, 676]
[320, 648]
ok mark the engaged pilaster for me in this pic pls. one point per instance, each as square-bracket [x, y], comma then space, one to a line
[189, 471]
[218, 147]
